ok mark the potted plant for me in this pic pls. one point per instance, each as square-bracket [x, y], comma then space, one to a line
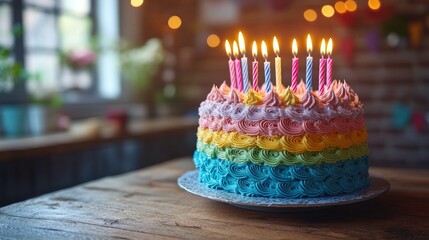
[78, 62]
[12, 115]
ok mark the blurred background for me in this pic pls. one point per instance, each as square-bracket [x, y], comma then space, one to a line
[92, 88]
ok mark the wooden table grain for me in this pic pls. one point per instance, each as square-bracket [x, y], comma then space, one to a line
[149, 204]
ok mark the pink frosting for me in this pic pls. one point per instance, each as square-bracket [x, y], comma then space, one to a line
[329, 98]
[283, 126]
[309, 101]
[272, 100]
[215, 95]
[224, 89]
[342, 93]
[234, 96]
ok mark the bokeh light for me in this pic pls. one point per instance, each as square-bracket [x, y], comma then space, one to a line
[136, 3]
[351, 5]
[213, 40]
[174, 22]
[374, 4]
[328, 11]
[340, 7]
[310, 15]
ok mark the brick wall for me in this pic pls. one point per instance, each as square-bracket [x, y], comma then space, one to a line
[381, 78]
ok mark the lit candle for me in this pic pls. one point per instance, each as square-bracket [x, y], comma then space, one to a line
[329, 64]
[278, 64]
[267, 70]
[238, 77]
[243, 62]
[322, 68]
[231, 64]
[309, 66]
[295, 62]
[255, 67]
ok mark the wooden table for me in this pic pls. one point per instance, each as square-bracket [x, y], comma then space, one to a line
[149, 204]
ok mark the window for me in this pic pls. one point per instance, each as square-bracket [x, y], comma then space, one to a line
[55, 27]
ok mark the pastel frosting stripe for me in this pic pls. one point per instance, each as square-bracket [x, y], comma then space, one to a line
[277, 158]
[239, 111]
[282, 126]
[296, 181]
[293, 144]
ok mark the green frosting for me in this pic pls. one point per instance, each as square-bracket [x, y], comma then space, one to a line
[276, 158]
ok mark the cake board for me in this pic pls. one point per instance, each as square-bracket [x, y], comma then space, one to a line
[189, 182]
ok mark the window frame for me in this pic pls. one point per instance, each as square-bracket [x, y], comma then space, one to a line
[19, 94]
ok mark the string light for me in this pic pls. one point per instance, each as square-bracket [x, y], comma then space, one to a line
[213, 40]
[351, 5]
[174, 22]
[310, 15]
[136, 3]
[374, 4]
[340, 7]
[328, 11]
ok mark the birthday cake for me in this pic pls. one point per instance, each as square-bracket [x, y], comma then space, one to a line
[283, 144]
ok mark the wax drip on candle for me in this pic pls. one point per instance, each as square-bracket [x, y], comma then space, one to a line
[244, 66]
[238, 73]
[255, 67]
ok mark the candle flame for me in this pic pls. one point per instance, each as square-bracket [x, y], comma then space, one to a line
[235, 49]
[264, 50]
[294, 47]
[309, 44]
[276, 46]
[241, 43]
[323, 47]
[228, 48]
[329, 50]
[254, 49]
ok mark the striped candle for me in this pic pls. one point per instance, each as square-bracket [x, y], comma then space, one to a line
[329, 64]
[232, 73]
[244, 69]
[239, 78]
[309, 66]
[255, 75]
[245, 74]
[238, 73]
[322, 68]
[255, 67]
[267, 71]
[231, 64]
[295, 66]
[278, 65]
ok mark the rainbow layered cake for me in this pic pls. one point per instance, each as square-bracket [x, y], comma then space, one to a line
[283, 144]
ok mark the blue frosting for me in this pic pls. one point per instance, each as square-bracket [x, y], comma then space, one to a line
[289, 181]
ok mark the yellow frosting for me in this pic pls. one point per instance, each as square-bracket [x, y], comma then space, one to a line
[252, 97]
[288, 97]
[293, 144]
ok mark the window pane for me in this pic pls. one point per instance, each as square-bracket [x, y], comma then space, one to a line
[5, 25]
[46, 65]
[40, 29]
[77, 6]
[75, 32]
[42, 3]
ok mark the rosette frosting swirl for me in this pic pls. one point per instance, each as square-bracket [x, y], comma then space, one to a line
[294, 181]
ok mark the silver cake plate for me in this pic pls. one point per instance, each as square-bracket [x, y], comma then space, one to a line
[189, 181]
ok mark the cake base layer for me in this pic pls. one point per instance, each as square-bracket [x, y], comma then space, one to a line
[288, 181]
